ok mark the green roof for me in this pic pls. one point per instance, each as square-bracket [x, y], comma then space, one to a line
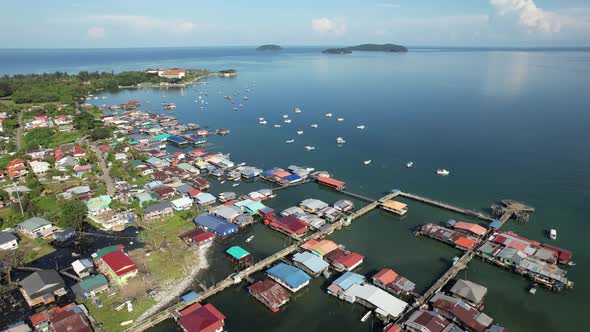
[237, 252]
[33, 223]
[93, 282]
[250, 205]
[185, 166]
[134, 163]
[145, 198]
[106, 250]
[160, 137]
[98, 203]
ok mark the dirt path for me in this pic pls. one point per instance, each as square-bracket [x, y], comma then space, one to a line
[108, 180]
[19, 131]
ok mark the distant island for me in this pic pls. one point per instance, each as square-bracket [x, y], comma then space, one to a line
[367, 48]
[337, 51]
[269, 47]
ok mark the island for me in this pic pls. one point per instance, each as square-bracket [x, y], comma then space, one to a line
[367, 48]
[337, 51]
[269, 47]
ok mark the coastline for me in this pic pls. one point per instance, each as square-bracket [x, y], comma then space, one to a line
[170, 85]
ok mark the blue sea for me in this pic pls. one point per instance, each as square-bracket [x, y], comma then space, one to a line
[507, 123]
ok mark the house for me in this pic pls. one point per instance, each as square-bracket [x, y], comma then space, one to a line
[469, 291]
[250, 206]
[310, 263]
[427, 321]
[383, 303]
[290, 225]
[42, 287]
[172, 73]
[183, 203]
[218, 226]
[65, 162]
[396, 207]
[348, 262]
[145, 198]
[71, 318]
[197, 237]
[117, 266]
[16, 168]
[205, 199]
[344, 205]
[78, 152]
[312, 205]
[35, 227]
[201, 318]
[183, 190]
[81, 170]
[160, 210]
[83, 267]
[8, 241]
[91, 286]
[98, 205]
[165, 192]
[289, 276]
[63, 234]
[460, 312]
[269, 293]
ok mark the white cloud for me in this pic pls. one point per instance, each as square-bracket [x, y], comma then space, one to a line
[527, 15]
[144, 24]
[325, 25]
[96, 33]
[388, 5]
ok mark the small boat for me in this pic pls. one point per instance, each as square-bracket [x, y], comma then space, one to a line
[340, 140]
[263, 122]
[235, 109]
[553, 234]
[250, 238]
[297, 110]
[571, 263]
[222, 182]
[366, 316]
[314, 125]
[367, 162]
[328, 115]
[235, 184]
[245, 98]
[242, 164]
[532, 291]
[277, 126]
[340, 119]
[442, 172]
[410, 164]
[285, 116]
[260, 119]
[290, 141]
[310, 148]
[287, 121]
[299, 132]
[360, 127]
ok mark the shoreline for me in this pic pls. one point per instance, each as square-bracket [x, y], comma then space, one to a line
[169, 85]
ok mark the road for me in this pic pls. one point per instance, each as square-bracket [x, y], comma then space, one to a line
[19, 131]
[108, 180]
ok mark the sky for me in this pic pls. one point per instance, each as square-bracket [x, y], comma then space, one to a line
[151, 23]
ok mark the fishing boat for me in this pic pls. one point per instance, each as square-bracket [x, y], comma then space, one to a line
[340, 140]
[235, 109]
[309, 148]
[235, 184]
[533, 291]
[290, 141]
[260, 119]
[222, 182]
[245, 98]
[263, 122]
[287, 121]
[277, 126]
[314, 125]
[297, 110]
[250, 238]
[367, 162]
[340, 119]
[553, 234]
[360, 127]
[285, 116]
[410, 164]
[299, 132]
[442, 172]
[328, 115]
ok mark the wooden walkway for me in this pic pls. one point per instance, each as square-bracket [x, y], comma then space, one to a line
[449, 207]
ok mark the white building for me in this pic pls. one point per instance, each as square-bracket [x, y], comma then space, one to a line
[183, 203]
[8, 241]
[172, 73]
[39, 167]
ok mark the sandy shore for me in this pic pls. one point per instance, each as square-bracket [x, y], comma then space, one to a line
[174, 290]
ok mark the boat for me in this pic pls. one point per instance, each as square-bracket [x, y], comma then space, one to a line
[309, 148]
[340, 140]
[297, 110]
[260, 119]
[328, 115]
[250, 238]
[290, 141]
[235, 109]
[340, 119]
[360, 127]
[409, 164]
[287, 121]
[242, 164]
[553, 234]
[263, 122]
[285, 116]
[299, 132]
[235, 184]
[277, 126]
[442, 172]
[532, 291]
[571, 263]
[245, 98]
[366, 316]
[314, 125]
[222, 182]
[366, 162]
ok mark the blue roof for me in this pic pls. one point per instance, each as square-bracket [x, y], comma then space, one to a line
[216, 225]
[496, 224]
[311, 261]
[176, 139]
[189, 297]
[348, 279]
[269, 172]
[292, 177]
[153, 160]
[291, 275]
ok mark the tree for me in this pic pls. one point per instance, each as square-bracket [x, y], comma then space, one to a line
[84, 121]
[5, 89]
[100, 133]
[73, 213]
[10, 260]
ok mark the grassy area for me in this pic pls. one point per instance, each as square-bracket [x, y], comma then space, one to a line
[34, 249]
[111, 319]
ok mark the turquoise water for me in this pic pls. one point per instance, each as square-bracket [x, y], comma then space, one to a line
[510, 124]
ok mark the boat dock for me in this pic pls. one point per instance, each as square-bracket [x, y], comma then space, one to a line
[449, 207]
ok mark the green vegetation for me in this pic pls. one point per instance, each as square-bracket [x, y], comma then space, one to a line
[73, 213]
[110, 319]
[48, 137]
[367, 48]
[337, 51]
[34, 249]
[269, 47]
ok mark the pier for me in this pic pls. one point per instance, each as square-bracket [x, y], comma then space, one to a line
[446, 206]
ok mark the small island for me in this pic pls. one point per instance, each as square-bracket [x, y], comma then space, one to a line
[337, 51]
[269, 47]
[367, 48]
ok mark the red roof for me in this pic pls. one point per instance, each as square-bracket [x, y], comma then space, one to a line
[291, 224]
[120, 263]
[201, 319]
[331, 182]
[15, 162]
[386, 276]
[84, 168]
[564, 255]
[270, 291]
[197, 235]
[39, 318]
[194, 192]
[465, 242]
[174, 71]
[350, 260]
[473, 228]
[78, 150]
[104, 148]
[281, 174]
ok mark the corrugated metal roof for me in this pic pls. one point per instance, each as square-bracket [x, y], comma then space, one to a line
[348, 279]
[311, 261]
[291, 275]
[379, 298]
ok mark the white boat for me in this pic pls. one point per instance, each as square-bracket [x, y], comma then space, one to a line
[299, 132]
[532, 291]
[245, 98]
[285, 116]
[290, 141]
[340, 140]
[360, 127]
[222, 182]
[287, 121]
[297, 110]
[263, 122]
[340, 119]
[314, 125]
[328, 115]
[366, 162]
[250, 238]
[410, 164]
[309, 148]
[235, 184]
[442, 172]
[553, 234]
[260, 119]
[235, 109]
[277, 126]
[242, 164]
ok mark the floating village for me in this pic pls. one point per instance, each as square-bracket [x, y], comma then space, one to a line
[179, 181]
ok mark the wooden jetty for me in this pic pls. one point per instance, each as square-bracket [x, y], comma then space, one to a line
[446, 206]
